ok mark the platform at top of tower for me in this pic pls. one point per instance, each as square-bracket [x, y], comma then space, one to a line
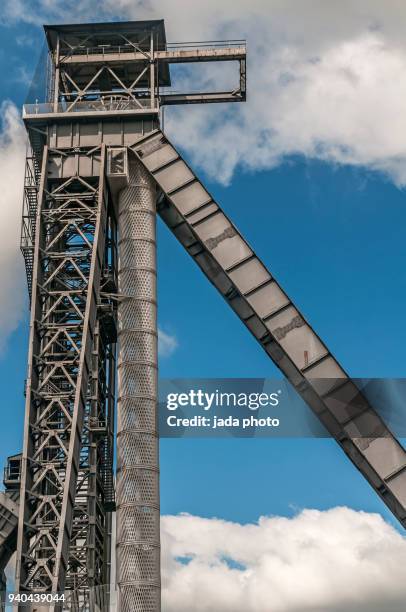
[121, 69]
[77, 35]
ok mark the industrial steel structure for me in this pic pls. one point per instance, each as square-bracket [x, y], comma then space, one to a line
[99, 169]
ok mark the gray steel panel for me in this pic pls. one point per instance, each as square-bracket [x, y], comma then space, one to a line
[71, 133]
[174, 176]
[89, 134]
[398, 487]
[296, 337]
[161, 157]
[385, 455]
[197, 216]
[249, 275]
[222, 240]
[345, 402]
[267, 299]
[319, 374]
[191, 197]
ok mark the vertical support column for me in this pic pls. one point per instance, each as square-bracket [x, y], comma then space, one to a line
[138, 545]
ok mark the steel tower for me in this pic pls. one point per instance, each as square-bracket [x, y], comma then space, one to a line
[88, 241]
[99, 169]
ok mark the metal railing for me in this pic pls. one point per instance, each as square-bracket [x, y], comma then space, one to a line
[211, 44]
[12, 471]
[103, 50]
[129, 48]
[110, 104]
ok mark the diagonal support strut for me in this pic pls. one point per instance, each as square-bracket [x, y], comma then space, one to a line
[232, 267]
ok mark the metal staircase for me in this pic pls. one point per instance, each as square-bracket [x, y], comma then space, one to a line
[32, 178]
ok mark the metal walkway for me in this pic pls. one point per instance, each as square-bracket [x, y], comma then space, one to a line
[255, 296]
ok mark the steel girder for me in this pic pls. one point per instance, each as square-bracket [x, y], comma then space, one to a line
[276, 323]
[66, 467]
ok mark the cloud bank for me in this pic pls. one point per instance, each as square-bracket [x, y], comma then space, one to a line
[315, 562]
[332, 561]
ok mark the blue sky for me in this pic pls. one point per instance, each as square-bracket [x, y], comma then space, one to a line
[333, 235]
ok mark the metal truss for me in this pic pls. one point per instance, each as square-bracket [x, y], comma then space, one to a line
[125, 70]
[66, 480]
[116, 89]
[276, 323]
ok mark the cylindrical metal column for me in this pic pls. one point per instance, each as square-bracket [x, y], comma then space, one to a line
[138, 547]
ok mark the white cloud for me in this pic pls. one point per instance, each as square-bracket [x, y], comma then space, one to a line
[315, 562]
[167, 343]
[12, 275]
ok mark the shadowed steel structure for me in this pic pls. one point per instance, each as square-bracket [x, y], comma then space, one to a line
[88, 240]
[98, 170]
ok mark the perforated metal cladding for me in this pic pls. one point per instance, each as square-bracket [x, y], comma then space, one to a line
[137, 225]
[138, 523]
[140, 486]
[146, 599]
[137, 283]
[136, 449]
[138, 346]
[136, 315]
[139, 563]
[138, 553]
[140, 253]
[136, 378]
[142, 203]
[136, 413]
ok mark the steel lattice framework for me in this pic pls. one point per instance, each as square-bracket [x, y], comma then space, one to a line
[99, 169]
[65, 478]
